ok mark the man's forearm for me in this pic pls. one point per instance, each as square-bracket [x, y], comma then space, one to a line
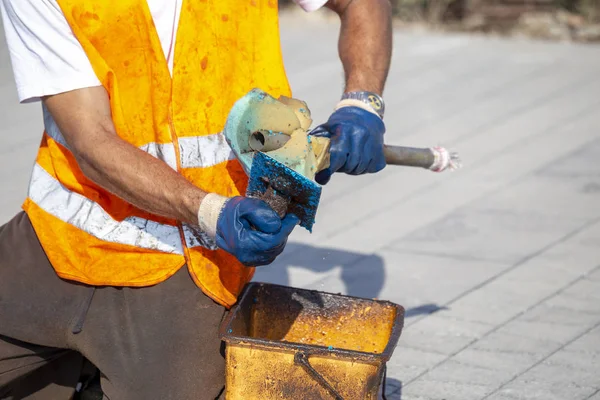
[142, 180]
[365, 44]
[84, 118]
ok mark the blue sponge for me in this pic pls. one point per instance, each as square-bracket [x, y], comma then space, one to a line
[285, 190]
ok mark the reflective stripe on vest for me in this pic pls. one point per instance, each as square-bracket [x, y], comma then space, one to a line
[196, 151]
[204, 151]
[87, 215]
[50, 195]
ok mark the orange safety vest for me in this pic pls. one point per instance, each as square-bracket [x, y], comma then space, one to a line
[224, 48]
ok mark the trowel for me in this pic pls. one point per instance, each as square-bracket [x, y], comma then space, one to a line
[271, 139]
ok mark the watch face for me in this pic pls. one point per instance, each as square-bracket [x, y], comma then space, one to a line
[375, 102]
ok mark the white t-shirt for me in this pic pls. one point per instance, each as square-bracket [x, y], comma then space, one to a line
[47, 58]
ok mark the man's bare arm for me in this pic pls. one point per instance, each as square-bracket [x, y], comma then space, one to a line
[84, 118]
[365, 44]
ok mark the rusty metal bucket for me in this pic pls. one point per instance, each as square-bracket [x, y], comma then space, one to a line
[288, 343]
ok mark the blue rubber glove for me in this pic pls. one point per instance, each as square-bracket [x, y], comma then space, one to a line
[251, 231]
[356, 142]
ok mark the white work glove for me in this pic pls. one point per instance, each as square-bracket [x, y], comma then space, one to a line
[209, 211]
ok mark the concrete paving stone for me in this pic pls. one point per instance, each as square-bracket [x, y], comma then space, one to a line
[405, 396]
[566, 310]
[534, 390]
[515, 292]
[405, 373]
[407, 363]
[532, 115]
[580, 164]
[14, 172]
[538, 95]
[506, 343]
[501, 234]
[582, 305]
[463, 131]
[561, 315]
[448, 99]
[548, 331]
[589, 343]
[439, 343]
[459, 372]
[595, 396]
[594, 276]
[11, 200]
[502, 396]
[570, 368]
[580, 119]
[554, 268]
[499, 301]
[515, 337]
[506, 363]
[575, 257]
[442, 335]
[535, 194]
[408, 277]
[434, 390]
[24, 141]
[585, 289]
[444, 324]
[442, 81]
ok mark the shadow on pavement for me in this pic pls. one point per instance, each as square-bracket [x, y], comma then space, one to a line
[393, 389]
[424, 309]
[362, 274]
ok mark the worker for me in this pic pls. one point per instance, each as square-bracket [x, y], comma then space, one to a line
[135, 237]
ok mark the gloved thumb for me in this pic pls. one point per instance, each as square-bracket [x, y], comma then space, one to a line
[261, 216]
[322, 177]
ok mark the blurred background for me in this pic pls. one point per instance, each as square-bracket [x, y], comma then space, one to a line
[552, 19]
[497, 264]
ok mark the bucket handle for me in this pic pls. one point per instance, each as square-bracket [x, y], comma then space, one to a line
[302, 359]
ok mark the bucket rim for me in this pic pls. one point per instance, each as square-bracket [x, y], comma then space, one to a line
[310, 349]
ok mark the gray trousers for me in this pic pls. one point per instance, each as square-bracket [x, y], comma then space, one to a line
[159, 342]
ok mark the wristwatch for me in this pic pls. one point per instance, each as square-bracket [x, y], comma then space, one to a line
[371, 99]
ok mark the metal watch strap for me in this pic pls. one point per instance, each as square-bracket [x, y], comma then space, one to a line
[373, 100]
